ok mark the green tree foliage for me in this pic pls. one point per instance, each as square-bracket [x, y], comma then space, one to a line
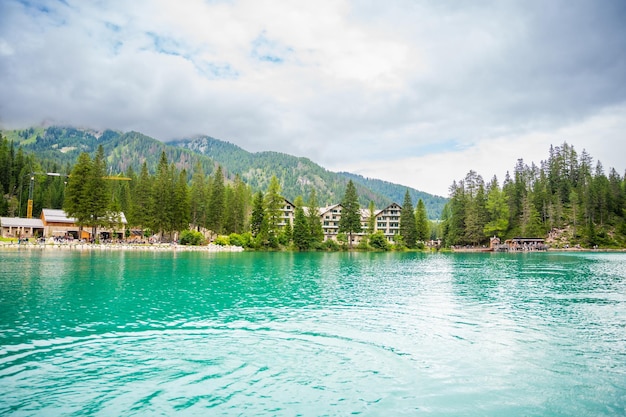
[182, 209]
[162, 210]
[88, 195]
[198, 197]
[567, 191]
[475, 216]
[142, 206]
[217, 203]
[422, 223]
[257, 221]
[379, 241]
[497, 210]
[314, 221]
[302, 238]
[371, 220]
[237, 202]
[274, 203]
[454, 215]
[191, 237]
[350, 221]
[408, 225]
[99, 194]
[77, 193]
[296, 175]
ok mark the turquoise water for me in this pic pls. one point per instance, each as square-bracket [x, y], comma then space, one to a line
[286, 334]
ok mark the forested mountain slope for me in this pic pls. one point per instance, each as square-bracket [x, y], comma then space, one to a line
[298, 175]
[129, 150]
[396, 192]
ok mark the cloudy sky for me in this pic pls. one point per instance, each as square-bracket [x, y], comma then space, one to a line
[409, 91]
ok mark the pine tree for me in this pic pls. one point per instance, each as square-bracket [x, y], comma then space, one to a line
[273, 205]
[238, 207]
[99, 192]
[302, 238]
[529, 218]
[258, 214]
[77, 192]
[497, 210]
[422, 223]
[182, 214]
[217, 202]
[454, 228]
[475, 213]
[350, 221]
[198, 198]
[162, 197]
[142, 206]
[408, 225]
[371, 220]
[315, 222]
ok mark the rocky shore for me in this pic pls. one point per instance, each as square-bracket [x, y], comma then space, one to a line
[120, 246]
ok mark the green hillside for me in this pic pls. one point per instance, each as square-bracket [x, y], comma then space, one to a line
[434, 204]
[298, 175]
[129, 150]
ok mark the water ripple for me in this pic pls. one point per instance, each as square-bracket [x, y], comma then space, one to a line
[315, 334]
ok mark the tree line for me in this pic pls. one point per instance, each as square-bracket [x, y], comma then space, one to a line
[165, 203]
[567, 195]
[17, 170]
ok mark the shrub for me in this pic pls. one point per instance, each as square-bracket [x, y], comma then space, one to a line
[247, 239]
[191, 237]
[236, 239]
[363, 243]
[379, 241]
[222, 241]
[329, 245]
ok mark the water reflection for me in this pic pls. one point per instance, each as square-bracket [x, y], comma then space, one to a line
[318, 333]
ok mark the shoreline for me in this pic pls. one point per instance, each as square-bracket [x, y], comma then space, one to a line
[161, 247]
[599, 250]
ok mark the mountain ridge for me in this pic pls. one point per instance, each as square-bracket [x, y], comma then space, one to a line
[297, 175]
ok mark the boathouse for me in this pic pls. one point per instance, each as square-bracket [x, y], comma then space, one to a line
[525, 244]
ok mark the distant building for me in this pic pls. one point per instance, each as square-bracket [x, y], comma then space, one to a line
[387, 221]
[17, 227]
[57, 223]
[525, 244]
[289, 214]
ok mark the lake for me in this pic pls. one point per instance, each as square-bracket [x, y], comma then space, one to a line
[113, 333]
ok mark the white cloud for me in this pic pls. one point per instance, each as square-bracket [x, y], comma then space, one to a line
[352, 85]
[434, 173]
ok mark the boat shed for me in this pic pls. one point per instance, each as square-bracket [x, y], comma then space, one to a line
[17, 227]
[525, 244]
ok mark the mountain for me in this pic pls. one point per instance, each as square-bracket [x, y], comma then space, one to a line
[296, 175]
[123, 150]
[433, 203]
